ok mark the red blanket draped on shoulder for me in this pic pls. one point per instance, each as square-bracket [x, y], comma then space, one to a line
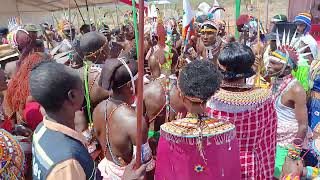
[253, 114]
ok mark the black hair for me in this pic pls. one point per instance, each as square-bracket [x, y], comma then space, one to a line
[3, 31]
[85, 28]
[199, 79]
[50, 83]
[106, 26]
[39, 43]
[122, 76]
[91, 42]
[116, 31]
[114, 74]
[238, 60]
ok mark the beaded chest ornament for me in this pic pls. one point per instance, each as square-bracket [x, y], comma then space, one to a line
[11, 157]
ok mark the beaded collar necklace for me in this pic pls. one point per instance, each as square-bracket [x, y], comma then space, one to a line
[279, 84]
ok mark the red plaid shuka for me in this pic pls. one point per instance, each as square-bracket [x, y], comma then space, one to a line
[256, 131]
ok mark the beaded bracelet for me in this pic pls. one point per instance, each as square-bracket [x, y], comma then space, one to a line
[294, 151]
[312, 172]
[290, 177]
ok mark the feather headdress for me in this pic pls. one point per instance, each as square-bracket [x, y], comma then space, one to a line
[291, 54]
[289, 50]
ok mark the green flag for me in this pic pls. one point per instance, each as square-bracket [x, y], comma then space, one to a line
[238, 2]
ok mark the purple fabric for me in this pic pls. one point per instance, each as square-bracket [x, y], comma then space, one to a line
[178, 161]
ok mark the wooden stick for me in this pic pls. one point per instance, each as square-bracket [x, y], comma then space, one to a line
[75, 1]
[266, 14]
[140, 83]
[117, 13]
[94, 16]
[258, 82]
[258, 25]
[78, 20]
[69, 10]
[88, 15]
[46, 37]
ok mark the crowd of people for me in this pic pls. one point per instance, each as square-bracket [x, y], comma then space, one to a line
[214, 107]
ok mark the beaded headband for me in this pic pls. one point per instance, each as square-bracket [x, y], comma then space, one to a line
[130, 73]
[194, 99]
[280, 57]
[205, 29]
[94, 54]
[209, 25]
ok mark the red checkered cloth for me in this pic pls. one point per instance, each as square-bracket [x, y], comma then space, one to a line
[256, 132]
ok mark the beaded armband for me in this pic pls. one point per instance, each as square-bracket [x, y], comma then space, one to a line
[290, 177]
[294, 151]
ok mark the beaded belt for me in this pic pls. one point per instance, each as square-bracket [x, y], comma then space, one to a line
[315, 95]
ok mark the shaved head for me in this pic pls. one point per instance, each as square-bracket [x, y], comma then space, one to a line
[91, 42]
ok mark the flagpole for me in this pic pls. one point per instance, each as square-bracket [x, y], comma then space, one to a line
[140, 83]
[238, 3]
[187, 23]
[135, 23]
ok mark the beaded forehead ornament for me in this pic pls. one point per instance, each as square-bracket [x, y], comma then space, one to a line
[97, 52]
[209, 26]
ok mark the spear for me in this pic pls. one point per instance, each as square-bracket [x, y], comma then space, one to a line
[258, 82]
[75, 1]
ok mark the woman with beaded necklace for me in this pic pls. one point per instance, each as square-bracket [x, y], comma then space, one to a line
[194, 147]
[249, 108]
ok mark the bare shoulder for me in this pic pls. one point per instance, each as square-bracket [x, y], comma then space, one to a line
[152, 91]
[99, 113]
[125, 113]
[298, 91]
[101, 106]
[126, 121]
[153, 59]
[150, 88]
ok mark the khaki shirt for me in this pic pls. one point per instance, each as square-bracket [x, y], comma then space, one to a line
[70, 168]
